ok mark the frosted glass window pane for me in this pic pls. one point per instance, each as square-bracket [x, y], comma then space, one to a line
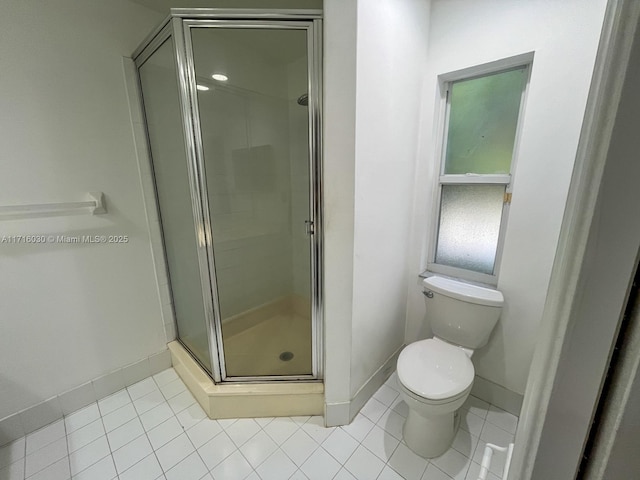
[483, 117]
[470, 218]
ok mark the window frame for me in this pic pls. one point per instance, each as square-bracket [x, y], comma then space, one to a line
[444, 83]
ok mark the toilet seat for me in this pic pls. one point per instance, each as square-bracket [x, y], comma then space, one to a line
[435, 370]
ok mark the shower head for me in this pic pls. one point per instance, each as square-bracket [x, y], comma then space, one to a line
[303, 100]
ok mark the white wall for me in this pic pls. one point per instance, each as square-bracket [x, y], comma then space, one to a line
[338, 186]
[564, 36]
[70, 313]
[373, 71]
[607, 271]
[391, 59]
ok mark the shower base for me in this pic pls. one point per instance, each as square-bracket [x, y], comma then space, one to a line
[256, 340]
[241, 400]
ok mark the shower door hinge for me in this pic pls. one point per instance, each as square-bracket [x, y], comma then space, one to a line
[507, 198]
[308, 225]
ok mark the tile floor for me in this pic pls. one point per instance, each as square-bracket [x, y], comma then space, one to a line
[155, 430]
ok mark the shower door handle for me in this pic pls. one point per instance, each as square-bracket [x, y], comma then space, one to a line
[308, 226]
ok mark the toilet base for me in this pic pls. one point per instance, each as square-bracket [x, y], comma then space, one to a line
[431, 424]
[430, 437]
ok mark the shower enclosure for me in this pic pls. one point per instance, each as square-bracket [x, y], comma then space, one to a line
[232, 107]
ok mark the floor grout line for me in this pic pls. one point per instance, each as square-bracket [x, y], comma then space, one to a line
[146, 434]
[66, 436]
[24, 468]
[113, 460]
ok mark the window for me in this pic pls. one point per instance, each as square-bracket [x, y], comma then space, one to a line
[481, 121]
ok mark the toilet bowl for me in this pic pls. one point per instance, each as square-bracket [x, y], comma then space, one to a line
[435, 379]
[436, 375]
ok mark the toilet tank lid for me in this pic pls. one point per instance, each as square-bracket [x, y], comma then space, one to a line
[464, 291]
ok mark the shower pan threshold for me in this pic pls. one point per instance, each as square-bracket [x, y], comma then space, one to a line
[246, 400]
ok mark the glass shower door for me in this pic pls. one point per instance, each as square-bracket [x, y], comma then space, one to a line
[254, 131]
[171, 175]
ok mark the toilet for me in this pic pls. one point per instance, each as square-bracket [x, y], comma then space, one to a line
[436, 375]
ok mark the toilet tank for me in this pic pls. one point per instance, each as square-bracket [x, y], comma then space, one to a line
[461, 313]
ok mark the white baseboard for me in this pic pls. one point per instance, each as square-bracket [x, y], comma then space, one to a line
[336, 414]
[37, 416]
[497, 395]
[342, 413]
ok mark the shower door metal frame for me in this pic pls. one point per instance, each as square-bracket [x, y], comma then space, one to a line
[178, 26]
